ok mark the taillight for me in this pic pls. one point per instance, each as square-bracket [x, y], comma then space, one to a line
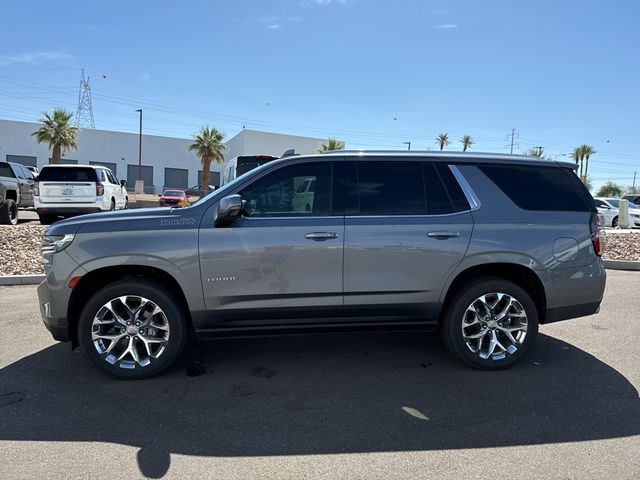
[36, 189]
[99, 189]
[598, 236]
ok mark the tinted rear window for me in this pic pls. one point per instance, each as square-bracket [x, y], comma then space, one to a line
[444, 195]
[391, 188]
[541, 188]
[67, 174]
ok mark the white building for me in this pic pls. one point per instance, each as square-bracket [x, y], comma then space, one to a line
[166, 161]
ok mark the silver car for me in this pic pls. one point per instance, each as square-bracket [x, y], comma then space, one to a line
[462, 243]
[609, 208]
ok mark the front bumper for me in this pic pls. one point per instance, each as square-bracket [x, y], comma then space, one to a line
[59, 327]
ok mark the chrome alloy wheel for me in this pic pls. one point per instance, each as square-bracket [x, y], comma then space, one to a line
[130, 331]
[494, 325]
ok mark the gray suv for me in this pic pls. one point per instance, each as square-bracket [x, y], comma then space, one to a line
[483, 247]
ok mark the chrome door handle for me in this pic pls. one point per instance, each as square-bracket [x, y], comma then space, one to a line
[443, 235]
[320, 236]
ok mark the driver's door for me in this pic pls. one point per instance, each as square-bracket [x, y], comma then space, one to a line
[279, 257]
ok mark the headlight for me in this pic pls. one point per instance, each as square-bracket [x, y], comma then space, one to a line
[55, 243]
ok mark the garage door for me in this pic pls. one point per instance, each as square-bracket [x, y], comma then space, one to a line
[176, 178]
[23, 160]
[66, 161]
[214, 178]
[147, 176]
[110, 166]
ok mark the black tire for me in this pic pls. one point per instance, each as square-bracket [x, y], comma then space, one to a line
[113, 205]
[126, 204]
[47, 219]
[614, 222]
[8, 212]
[464, 296]
[158, 294]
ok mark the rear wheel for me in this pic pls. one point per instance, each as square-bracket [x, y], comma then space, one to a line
[46, 219]
[614, 222]
[490, 323]
[8, 212]
[113, 205]
[132, 329]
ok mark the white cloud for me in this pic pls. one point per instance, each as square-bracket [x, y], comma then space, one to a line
[34, 57]
[274, 26]
[445, 26]
[275, 22]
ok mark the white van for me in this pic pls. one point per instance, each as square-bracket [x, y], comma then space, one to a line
[69, 190]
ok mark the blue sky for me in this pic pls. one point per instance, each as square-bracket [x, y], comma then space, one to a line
[374, 73]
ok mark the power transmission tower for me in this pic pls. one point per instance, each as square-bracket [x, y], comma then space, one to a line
[513, 136]
[84, 115]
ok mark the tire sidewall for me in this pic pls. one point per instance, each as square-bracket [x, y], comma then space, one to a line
[154, 292]
[6, 208]
[452, 327]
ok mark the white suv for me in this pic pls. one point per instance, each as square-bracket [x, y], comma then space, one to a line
[69, 190]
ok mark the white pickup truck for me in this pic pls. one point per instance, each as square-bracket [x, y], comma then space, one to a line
[70, 190]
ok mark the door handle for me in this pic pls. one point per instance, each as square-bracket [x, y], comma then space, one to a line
[442, 235]
[320, 236]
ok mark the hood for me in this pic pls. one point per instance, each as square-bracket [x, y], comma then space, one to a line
[113, 221]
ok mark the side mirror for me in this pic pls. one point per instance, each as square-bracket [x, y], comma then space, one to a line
[229, 207]
[123, 183]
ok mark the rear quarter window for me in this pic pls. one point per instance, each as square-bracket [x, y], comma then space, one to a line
[67, 174]
[555, 189]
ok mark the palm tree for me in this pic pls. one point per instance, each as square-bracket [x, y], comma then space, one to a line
[443, 140]
[208, 146]
[466, 142]
[57, 132]
[536, 152]
[331, 144]
[587, 151]
[576, 155]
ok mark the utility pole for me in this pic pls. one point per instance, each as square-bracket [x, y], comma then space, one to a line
[408, 144]
[139, 184]
[513, 137]
[634, 181]
[84, 113]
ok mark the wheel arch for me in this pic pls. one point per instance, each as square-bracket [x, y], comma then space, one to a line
[519, 274]
[99, 278]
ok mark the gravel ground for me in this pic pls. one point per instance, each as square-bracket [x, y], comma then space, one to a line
[20, 249]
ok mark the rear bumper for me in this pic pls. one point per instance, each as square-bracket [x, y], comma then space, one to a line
[66, 210]
[573, 311]
[59, 327]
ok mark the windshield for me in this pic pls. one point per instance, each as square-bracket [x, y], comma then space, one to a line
[228, 186]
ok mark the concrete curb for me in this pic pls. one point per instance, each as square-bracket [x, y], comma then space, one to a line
[21, 280]
[621, 265]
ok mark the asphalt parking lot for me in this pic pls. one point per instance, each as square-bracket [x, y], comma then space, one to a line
[328, 406]
[28, 217]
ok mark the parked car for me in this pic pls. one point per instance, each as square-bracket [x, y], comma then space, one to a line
[197, 191]
[635, 199]
[303, 198]
[482, 247]
[70, 190]
[609, 208]
[174, 198]
[34, 171]
[17, 191]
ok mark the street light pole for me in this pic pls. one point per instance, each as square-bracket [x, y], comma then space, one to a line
[408, 144]
[140, 148]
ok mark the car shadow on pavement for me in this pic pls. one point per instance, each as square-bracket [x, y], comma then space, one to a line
[319, 394]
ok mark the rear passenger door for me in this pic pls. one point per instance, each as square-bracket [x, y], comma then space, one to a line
[409, 227]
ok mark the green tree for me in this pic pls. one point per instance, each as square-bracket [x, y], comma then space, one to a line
[587, 183]
[632, 190]
[577, 157]
[443, 140]
[536, 152]
[208, 146]
[610, 189]
[587, 151]
[466, 142]
[330, 145]
[57, 132]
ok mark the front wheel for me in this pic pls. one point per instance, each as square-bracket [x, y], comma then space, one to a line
[490, 324]
[132, 329]
[9, 212]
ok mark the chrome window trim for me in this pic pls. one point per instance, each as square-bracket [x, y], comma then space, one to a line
[473, 200]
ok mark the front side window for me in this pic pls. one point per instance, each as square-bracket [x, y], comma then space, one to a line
[391, 188]
[286, 193]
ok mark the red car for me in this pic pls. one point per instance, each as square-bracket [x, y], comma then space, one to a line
[174, 198]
